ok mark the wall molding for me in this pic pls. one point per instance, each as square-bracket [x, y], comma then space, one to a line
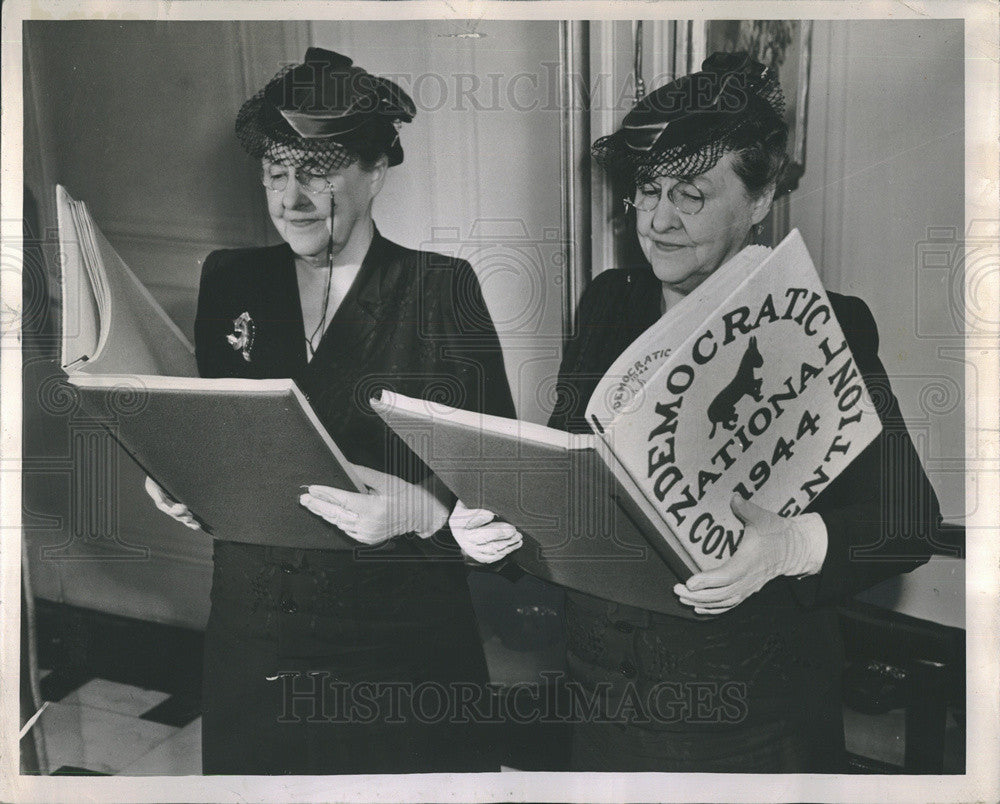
[574, 61]
[605, 78]
[835, 150]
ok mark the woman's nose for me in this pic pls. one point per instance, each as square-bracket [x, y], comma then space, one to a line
[665, 215]
[293, 195]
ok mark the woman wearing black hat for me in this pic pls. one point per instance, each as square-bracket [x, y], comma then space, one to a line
[342, 662]
[756, 686]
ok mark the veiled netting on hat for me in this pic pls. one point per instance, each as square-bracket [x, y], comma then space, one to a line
[685, 160]
[612, 154]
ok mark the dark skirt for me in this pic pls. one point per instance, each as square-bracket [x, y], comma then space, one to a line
[320, 663]
[780, 745]
[756, 690]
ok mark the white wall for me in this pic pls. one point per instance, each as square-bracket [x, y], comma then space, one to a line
[481, 175]
[881, 207]
[885, 164]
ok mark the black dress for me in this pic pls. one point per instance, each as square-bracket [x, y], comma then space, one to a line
[348, 662]
[756, 689]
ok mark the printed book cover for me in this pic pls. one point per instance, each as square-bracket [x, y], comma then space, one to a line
[761, 398]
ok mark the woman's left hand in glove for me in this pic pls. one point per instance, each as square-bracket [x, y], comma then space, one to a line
[390, 508]
[771, 546]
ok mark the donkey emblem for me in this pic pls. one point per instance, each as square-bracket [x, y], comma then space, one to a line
[723, 408]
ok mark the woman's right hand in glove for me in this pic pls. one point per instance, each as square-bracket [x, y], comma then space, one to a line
[170, 506]
[481, 536]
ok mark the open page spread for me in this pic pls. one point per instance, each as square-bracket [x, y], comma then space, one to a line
[755, 393]
[235, 451]
[585, 523]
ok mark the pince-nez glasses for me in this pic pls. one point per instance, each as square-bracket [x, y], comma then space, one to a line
[685, 197]
[275, 179]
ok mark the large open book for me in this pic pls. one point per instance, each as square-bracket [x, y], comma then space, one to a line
[235, 451]
[746, 386]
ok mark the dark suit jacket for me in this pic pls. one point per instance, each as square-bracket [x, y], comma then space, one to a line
[414, 322]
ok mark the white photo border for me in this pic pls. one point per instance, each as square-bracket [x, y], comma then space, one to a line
[983, 553]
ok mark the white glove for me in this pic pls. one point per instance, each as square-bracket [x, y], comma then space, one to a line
[772, 545]
[390, 508]
[481, 536]
[170, 506]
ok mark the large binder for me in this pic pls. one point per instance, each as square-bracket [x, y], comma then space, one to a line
[585, 524]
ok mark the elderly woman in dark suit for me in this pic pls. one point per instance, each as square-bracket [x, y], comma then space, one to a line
[316, 659]
[755, 687]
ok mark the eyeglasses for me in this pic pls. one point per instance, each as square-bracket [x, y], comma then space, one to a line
[275, 179]
[685, 197]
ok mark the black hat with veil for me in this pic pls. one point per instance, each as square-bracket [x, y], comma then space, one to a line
[683, 128]
[325, 114]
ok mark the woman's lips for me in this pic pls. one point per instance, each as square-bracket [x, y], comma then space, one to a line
[668, 246]
[302, 223]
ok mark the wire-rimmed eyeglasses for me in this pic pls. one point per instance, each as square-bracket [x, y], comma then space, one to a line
[685, 197]
[275, 179]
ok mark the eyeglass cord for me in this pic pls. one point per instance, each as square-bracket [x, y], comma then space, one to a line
[311, 342]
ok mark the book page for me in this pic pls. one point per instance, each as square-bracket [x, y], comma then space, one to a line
[81, 320]
[135, 335]
[391, 406]
[764, 400]
[633, 368]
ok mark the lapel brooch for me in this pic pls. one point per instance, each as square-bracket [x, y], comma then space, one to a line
[241, 338]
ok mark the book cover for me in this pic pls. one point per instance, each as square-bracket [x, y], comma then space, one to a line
[585, 523]
[761, 398]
